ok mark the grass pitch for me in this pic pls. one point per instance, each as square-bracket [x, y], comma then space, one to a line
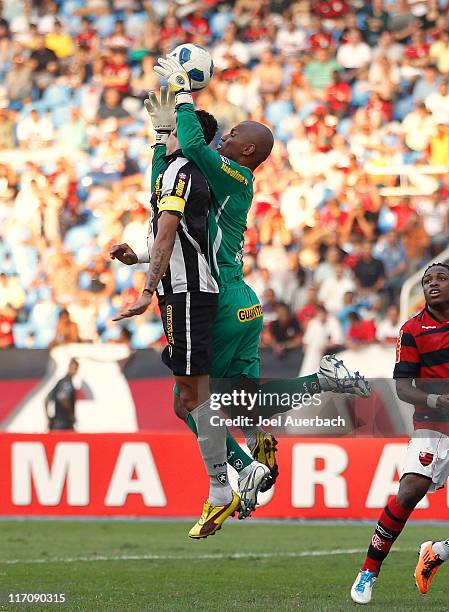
[247, 566]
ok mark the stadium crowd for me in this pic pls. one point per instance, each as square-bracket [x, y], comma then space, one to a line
[353, 199]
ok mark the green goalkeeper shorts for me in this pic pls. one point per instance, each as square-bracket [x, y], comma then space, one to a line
[236, 333]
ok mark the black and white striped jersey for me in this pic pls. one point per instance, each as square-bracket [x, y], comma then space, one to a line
[183, 190]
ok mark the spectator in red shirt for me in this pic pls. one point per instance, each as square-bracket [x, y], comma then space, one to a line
[197, 25]
[116, 72]
[338, 95]
[320, 40]
[402, 210]
[309, 310]
[360, 332]
[256, 31]
[332, 216]
[173, 32]
[350, 260]
[7, 318]
[87, 36]
[418, 50]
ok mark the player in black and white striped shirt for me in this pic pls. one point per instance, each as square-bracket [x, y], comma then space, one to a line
[179, 184]
[188, 296]
[179, 269]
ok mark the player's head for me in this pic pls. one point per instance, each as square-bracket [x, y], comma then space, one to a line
[435, 283]
[249, 144]
[73, 367]
[209, 126]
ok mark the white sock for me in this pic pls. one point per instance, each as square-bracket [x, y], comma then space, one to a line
[441, 549]
[250, 433]
[212, 442]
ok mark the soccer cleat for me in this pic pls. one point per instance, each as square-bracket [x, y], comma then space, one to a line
[341, 379]
[427, 567]
[264, 451]
[251, 480]
[213, 518]
[362, 589]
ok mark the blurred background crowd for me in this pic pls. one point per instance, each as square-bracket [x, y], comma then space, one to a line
[352, 201]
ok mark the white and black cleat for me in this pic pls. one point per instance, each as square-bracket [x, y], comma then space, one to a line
[341, 379]
[251, 480]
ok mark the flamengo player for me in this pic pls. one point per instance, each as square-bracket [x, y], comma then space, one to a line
[422, 354]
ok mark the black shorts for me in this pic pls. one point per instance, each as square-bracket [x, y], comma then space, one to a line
[188, 319]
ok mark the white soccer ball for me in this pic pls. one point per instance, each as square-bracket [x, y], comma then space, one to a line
[197, 62]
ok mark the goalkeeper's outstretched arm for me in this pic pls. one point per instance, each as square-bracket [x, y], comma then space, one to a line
[225, 177]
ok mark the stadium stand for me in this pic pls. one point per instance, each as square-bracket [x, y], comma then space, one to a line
[357, 187]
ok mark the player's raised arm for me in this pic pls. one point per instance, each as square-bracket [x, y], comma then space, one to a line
[224, 176]
[162, 115]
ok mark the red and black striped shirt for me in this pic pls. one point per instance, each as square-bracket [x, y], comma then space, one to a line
[422, 354]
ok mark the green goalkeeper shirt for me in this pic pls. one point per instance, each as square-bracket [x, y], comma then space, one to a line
[232, 193]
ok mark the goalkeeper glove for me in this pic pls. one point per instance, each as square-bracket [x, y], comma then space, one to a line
[162, 114]
[177, 78]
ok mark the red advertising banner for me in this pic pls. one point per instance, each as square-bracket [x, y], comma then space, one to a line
[161, 474]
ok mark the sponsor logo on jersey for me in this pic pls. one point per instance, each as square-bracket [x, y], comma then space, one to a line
[170, 337]
[235, 174]
[157, 186]
[182, 175]
[425, 459]
[225, 159]
[250, 313]
[180, 187]
[428, 326]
